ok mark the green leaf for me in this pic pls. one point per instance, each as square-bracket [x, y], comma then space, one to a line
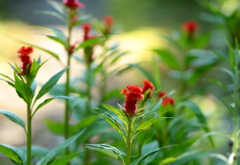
[49, 84]
[143, 71]
[218, 83]
[51, 13]
[57, 6]
[224, 103]
[65, 159]
[148, 123]
[7, 77]
[9, 82]
[89, 42]
[60, 36]
[168, 58]
[221, 56]
[58, 127]
[13, 117]
[112, 122]
[49, 100]
[106, 147]
[136, 162]
[23, 90]
[195, 109]
[13, 153]
[57, 150]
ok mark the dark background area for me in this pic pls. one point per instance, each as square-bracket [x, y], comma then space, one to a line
[128, 14]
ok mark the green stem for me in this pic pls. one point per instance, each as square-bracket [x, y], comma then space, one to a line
[129, 141]
[67, 86]
[29, 134]
[89, 97]
[66, 115]
[88, 110]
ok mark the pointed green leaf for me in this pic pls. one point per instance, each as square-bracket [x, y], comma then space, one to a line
[51, 13]
[9, 82]
[106, 147]
[218, 83]
[13, 117]
[65, 159]
[49, 100]
[89, 42]
[49, 84]
[168, 58]
[196, 110]
[57, 150]
[143, 71]
[22, 89]
[136, 162]
[7, 77]
[13, 153]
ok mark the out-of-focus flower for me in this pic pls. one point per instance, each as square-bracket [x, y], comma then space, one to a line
[108, 21]
[190, 27]
[133, 95]
[166, 100]
[147, 85]
[73, 4]
[25, 58]
[86, 29]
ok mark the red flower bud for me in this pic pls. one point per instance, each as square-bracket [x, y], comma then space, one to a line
[133, 95]
[25, 58]
[108, 21]
[190, 27]
[86, 29]
[166, 100]
[73, 4]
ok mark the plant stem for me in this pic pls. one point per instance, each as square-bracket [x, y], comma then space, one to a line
[29, 134]
[236, 109]
[89, 85]
[129, 140]
[66, 115]
[88, 109]
[67, 85]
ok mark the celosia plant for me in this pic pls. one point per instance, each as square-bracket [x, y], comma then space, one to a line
[129, 122]
[25, 85]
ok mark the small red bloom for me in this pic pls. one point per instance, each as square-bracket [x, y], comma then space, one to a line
[73, 4]
[133, 95]
[166, 100]
[190, 27]
[25, 58]
[147, 85]
[86, 29]
[108, 21]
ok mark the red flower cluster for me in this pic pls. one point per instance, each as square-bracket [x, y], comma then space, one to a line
[190, 27]
[147, 85]
[166, 100]
[86, 29]
[25, 58]
[133, 95]
[108, 21]
[73, 4]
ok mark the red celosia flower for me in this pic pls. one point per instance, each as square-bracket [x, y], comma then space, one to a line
[73, 4]
[25, 58]
[147, 85]
[190, 27]
[166, 100]
[133, 95]
[86, 29]
[108, 20]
